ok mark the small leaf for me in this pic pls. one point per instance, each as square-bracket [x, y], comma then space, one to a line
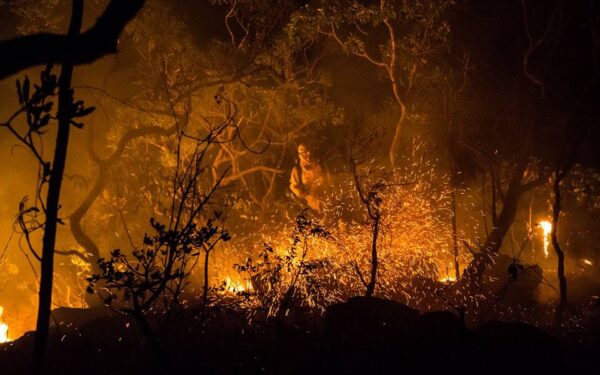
[77, 124]
[26, 89]
[85, 112]
[19, 92]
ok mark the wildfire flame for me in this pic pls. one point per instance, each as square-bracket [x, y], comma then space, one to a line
[237, 287]
[447, 279]
[3, 329]
[547, 229]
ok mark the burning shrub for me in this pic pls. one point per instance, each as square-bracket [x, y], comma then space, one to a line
[413, 244]
[292, 278]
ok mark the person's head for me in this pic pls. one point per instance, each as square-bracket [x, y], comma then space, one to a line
[304, 155]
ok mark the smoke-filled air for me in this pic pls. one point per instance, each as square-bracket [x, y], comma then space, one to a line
[299, 186]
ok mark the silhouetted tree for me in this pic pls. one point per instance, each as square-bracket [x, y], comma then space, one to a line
[157, 272]
[371, 199]
[561, 171]
[69, 50]
[37, 108]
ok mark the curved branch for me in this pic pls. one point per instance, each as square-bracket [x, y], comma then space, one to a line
[74, 253]
[100, 40]
[104, 166]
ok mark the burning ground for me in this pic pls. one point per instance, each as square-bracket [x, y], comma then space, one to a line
[329, 186]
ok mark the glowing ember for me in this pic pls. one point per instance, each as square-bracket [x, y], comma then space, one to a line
[547, 229]
[3, 329]
[587, 262]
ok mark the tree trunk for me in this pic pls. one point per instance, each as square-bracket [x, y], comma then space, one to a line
[75, 221]
[374, 261]
[205, 288]
[83, 239]
[559, 253]
[65, 100]
[455, 235]
[397, 136]
[476, 269]
[160, 356]
[104, 167]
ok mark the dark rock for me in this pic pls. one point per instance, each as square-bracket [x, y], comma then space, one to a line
[368, 335]
[514, 347]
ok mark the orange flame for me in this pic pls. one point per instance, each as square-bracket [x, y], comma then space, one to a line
[237, 287]
[3, 329]
[547, 229]
[447, 279]
[587, 262]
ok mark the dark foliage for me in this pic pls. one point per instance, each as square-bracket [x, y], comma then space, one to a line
[158, 269]
[100, 40]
